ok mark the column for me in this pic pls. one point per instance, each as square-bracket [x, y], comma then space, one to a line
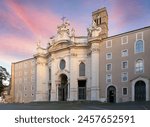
[95, 71]
[41, 80]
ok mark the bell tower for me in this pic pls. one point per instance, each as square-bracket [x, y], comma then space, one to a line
[96, 33]
[100, 18]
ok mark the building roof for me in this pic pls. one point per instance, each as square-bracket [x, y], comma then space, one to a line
[22, 60]
[147, 27]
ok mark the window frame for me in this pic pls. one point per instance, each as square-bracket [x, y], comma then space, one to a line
[110, 67]
[107, 58]
[107, 45]
[122, 65]
[135, 48]
[107, 78]
[80, 74]
[123, 51]
[61, 64]
[135, 67]
[122, 38]
[122, 76]
[123, 91]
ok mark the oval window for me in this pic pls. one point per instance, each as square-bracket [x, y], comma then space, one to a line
[62, 64]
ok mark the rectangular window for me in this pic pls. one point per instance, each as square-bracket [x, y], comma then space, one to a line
[124, 40]
[125, 91]
[109, 44]
[108, 56]
[109, 67]
[124, 76]
[124, 65]
[108, 78]
[139, 36]
[139, 66]
[49, 73]
[124, 53]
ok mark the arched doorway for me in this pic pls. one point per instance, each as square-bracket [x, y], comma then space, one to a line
[63, 88]
[140, 91]
[111, 94]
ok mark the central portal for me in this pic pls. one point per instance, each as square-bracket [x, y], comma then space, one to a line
[63, 88]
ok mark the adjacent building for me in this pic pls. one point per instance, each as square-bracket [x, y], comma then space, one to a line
[95, 67]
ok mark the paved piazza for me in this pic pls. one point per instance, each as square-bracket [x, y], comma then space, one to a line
[85, 105]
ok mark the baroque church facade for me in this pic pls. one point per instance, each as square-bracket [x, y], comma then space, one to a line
[95, 67]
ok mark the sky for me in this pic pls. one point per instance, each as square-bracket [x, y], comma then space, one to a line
[24, 22]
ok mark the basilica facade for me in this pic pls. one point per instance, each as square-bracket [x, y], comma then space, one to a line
[93, 67]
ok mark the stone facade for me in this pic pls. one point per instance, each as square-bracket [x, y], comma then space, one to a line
[95, 67]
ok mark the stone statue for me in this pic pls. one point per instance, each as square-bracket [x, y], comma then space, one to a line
[93, 30]
[94, 24]
[73, 32]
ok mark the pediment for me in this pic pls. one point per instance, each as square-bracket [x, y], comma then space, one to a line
[61, 44]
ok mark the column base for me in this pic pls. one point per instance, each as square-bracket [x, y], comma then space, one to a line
[95, 94]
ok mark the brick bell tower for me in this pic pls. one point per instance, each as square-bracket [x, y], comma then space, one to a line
[96, 33]
[100, 18]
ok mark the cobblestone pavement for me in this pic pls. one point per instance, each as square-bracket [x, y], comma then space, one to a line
[77, 105]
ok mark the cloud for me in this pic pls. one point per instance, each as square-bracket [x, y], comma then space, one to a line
[16, 46]
[40, 22]
[124, 12]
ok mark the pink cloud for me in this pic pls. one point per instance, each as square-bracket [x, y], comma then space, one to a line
[124, 12]
[16, 46]
[39, 22]
[9, 19]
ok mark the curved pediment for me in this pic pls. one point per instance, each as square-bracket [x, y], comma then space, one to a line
[61, 45]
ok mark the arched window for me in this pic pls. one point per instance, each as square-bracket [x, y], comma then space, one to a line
[139, 46]
[139, 66]
[82, 69]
